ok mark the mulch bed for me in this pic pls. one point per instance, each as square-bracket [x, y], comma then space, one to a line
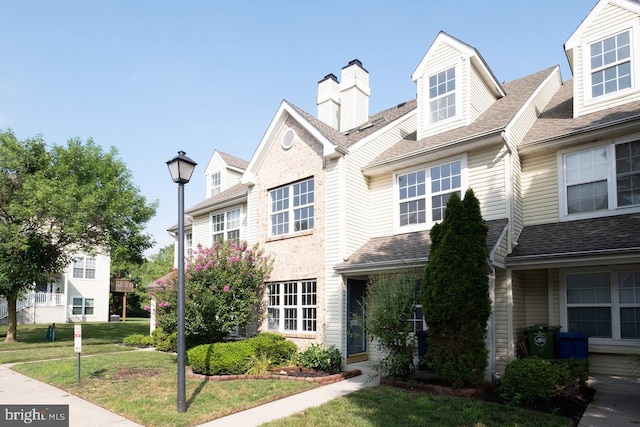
[292, 373]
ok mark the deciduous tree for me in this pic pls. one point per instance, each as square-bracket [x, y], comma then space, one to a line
[58, 201]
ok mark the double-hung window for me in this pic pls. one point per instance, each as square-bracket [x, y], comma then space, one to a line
[216, 183]
[188, 246]
[611, 64]
[292, 306]
[292, 208]
[423, 194]
[442, 95]
[84, 268]
[82, 306]
[226, 225]
[603, 304]
[601, 178]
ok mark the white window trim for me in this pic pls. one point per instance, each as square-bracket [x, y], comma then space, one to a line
[292, 209]
[611, 182]
[615, 339]
[299, 308]
[458, 71]
[84, 268]
[586, 61]
[226, 230]
[83, 306]
[219, 186]
[464, 172]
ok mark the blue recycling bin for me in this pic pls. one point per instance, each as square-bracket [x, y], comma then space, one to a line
[572, 345]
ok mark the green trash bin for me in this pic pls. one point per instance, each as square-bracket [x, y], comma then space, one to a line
[541, 340]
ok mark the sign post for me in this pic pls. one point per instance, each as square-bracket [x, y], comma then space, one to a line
[77, 344]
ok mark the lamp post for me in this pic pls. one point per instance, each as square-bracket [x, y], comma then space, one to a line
[181, 167]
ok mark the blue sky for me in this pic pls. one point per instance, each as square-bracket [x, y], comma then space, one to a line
[155, 77]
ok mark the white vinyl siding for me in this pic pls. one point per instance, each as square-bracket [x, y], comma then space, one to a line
[540, 189]
[444, 57]
[611, 21]
[481, 97]
[487, 180]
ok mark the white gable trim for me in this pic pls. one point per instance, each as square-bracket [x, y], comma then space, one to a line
[469, 52]
[575, 38]
[330, 149]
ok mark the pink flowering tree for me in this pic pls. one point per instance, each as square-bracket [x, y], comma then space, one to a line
[224, 288]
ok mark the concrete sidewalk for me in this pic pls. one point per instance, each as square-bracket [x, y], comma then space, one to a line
[17, 389]
[616, 403]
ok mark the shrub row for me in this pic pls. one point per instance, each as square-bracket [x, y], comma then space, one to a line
[526, 380]
[234, 358]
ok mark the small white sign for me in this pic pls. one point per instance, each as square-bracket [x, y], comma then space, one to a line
[77, 338]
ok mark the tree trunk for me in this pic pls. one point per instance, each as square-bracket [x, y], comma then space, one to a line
[12, 320]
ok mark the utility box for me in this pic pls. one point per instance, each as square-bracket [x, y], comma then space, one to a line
[573, 345]
[541, 340]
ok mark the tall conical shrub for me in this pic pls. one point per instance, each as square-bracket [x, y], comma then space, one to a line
[456, 302]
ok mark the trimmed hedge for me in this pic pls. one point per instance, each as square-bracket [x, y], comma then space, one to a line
[235, 357]
[526, 380]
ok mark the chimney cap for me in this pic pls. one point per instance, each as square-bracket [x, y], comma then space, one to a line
[355, 62]
[329, 76]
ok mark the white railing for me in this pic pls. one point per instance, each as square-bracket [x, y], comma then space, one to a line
[32, 298]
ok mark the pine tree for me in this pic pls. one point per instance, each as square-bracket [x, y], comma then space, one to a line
[456, 302]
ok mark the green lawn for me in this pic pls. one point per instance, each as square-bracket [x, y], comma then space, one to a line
[141, 386]
[96, 338]
[386, 406]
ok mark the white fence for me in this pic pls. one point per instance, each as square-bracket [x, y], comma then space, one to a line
[39, 299]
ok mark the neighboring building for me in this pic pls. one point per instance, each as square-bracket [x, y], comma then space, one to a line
[555, 165]
[79, 294]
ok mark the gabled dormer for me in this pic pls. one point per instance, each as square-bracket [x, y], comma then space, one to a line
[223, 172]
[604, 56]
[454, 86]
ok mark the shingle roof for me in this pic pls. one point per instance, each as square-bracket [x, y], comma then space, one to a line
[376, 121]
[233, 160]
[556, 120]
[400, 249]
[619, 233]
[495, 119]
[234, 192]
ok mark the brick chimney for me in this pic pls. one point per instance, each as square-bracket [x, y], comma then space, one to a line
[328, 101]
[354, 96]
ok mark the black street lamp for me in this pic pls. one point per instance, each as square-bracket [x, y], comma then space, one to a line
[181, 168]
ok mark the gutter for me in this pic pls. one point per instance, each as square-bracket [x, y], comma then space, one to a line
[484, 139]
[558, 259]
[587, 134]
[381, 266]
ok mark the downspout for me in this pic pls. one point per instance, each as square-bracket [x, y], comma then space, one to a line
[490, 372]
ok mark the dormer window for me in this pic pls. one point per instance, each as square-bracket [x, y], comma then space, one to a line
[216, 182]
[442, 96]
[611, 64]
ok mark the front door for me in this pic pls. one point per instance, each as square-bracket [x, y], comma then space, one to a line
[356, 337]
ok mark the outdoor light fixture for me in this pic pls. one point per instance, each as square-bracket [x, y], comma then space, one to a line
[181, 168]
